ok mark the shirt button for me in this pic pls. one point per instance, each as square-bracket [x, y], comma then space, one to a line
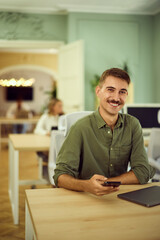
[108, 131]
[111, 149]
[111, 164]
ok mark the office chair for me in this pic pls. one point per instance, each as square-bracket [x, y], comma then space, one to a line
[42, 158]
[154, 152]
[61, 123]
[43, 163]
[58, 137]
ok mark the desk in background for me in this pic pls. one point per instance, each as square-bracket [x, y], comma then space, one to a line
[61, 214]
[34, 120]
[11, 121]
[17, 143]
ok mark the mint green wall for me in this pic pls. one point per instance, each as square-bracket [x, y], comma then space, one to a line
[25, 26]
[156, 46]
[109, 41]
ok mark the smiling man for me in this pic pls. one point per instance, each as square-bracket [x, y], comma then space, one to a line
[100, 146]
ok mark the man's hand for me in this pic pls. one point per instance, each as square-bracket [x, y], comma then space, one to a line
[94, 186]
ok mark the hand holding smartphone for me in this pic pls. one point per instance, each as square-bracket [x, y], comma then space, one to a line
[111, 183]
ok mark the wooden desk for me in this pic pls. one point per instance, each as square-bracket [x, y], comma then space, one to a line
[60, 214]
[5, 121]
[17, 143]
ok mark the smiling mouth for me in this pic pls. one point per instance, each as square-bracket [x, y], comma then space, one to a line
[114, 104]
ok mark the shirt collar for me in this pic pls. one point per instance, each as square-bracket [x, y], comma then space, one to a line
[101, 123]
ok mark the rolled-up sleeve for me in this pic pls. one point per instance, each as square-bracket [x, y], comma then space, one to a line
[69, 156]
[139, 160]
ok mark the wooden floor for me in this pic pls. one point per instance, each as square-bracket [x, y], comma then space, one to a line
[28, 167]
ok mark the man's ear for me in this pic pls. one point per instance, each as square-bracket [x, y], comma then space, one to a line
[97, 90]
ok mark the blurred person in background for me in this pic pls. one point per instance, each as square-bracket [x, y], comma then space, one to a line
[50, 118]
[19, 110]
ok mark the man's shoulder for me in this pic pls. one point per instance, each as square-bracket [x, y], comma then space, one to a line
[127, 118]
[82, 126]
[84, 121]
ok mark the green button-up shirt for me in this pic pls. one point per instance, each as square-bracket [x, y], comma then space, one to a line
[92, 148]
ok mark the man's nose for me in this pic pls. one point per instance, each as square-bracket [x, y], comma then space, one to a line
[116, 96]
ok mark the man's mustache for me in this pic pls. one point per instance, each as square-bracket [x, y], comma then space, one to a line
[114, 102]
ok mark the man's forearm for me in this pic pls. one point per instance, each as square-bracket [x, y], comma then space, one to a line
[71, 183]
[93, 185]
[126, 178]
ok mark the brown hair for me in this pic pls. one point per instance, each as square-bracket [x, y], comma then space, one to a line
[115, 72]
[52, 103]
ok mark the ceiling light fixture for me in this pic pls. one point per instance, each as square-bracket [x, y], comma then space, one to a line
[17, 83]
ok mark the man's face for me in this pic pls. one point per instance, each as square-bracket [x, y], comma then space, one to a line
[112, 94]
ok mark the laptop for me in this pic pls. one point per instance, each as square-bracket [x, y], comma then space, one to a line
[147, 197]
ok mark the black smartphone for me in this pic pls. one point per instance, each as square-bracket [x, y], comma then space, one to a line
[54, 128]
[111, 184]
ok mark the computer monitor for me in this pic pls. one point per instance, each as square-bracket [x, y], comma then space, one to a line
[26, 93]
[147, 114]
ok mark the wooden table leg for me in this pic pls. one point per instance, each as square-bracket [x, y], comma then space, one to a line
[14, 182]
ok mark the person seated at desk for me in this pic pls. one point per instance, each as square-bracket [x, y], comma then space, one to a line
[50, 118]
[19, 110]
[100, 146]
[47, 121]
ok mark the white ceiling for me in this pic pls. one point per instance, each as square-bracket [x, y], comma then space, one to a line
[149, 7]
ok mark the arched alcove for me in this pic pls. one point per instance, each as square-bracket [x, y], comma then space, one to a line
[44, 81]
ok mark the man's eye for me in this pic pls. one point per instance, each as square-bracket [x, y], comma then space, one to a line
[123, 92]
[110, 90]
